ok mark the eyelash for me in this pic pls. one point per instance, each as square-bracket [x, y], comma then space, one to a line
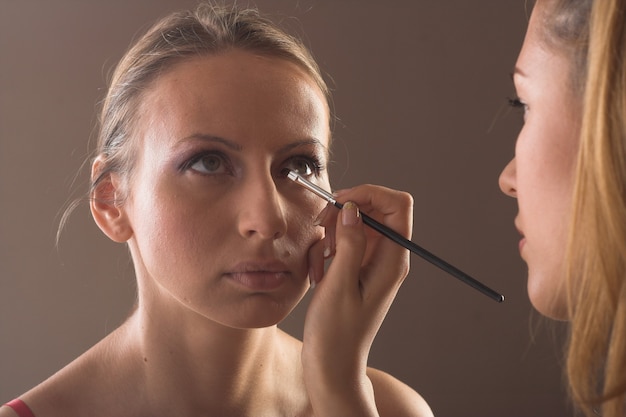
[197, 157]
[313, 161]
[516, 103]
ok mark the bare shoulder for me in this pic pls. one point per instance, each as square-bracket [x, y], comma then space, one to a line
[49, 398]
[395, 398]
[72, 388]
[6, 411]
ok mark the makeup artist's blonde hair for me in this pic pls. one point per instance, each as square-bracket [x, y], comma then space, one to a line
[596, 257]
[208, 30]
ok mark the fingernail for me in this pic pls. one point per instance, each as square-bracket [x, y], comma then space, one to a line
[350, 214]
[320, 217]
[326, 252]
[312, 277]
[337, 193]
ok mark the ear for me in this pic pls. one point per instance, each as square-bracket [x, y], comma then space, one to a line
[106, 203]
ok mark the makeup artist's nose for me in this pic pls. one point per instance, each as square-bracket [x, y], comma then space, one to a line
[507, 179]
[262, 212]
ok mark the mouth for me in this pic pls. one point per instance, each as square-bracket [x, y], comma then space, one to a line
[522, 241]
[259, 276]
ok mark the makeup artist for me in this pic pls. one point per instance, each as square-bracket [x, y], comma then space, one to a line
[202, 118]
[569, 178]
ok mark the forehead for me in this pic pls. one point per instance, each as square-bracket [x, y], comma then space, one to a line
[534, 39]
[238, 93]
[539, 58]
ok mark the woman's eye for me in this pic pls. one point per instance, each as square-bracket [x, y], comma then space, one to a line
[208, 164]
[303, 166]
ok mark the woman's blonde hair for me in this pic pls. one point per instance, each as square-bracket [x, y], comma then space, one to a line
[596, 362]
[596, 255]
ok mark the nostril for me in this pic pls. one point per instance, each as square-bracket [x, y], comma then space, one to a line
[506, 181]
[262, 217]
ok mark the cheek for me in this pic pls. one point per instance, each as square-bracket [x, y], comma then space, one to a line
[301, 223]
[167, 229]
[302, 233]
[544, 166]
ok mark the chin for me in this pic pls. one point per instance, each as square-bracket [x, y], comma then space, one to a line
[549, 301]
[261, 311]
[551, 312]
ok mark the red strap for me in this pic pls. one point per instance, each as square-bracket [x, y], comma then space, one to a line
[20, 408]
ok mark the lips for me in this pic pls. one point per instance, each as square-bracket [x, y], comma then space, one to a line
[259, 276]
[522, 241]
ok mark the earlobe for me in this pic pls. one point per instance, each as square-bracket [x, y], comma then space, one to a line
[106, 204]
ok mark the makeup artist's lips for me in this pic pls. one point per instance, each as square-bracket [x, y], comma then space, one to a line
[260, 276]
[522, 241]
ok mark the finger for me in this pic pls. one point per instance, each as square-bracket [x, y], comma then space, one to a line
[391, 207]
[386, 263]
[350, 243]
[316, 262]
[328, 221]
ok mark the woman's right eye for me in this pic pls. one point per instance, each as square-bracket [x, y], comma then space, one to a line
[208, 164]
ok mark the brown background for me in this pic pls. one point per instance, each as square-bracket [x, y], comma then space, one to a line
[420, 93]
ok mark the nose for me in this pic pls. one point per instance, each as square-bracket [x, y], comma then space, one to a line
[262, 210]
[507, 179]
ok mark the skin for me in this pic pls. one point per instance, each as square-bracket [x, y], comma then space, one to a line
[541, 174]
[224, 245]
[245, 137]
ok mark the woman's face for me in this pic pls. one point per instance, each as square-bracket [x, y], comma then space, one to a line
[541, 174]
[217, 227]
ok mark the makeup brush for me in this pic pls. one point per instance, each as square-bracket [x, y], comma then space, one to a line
[401, 240]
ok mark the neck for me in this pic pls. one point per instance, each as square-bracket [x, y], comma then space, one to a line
[189, 363]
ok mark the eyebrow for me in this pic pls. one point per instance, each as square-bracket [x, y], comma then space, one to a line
[211, 138]
[304, 142]
[237, 147]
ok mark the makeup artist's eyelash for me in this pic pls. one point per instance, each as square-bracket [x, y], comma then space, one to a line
[516, 103]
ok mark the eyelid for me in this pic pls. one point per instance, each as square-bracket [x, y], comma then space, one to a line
[313, 158]
[316, 163]
[197, 156]
[515, 102]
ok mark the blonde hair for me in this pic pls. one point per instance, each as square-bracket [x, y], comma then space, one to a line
[592, 34]
[596, 362]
